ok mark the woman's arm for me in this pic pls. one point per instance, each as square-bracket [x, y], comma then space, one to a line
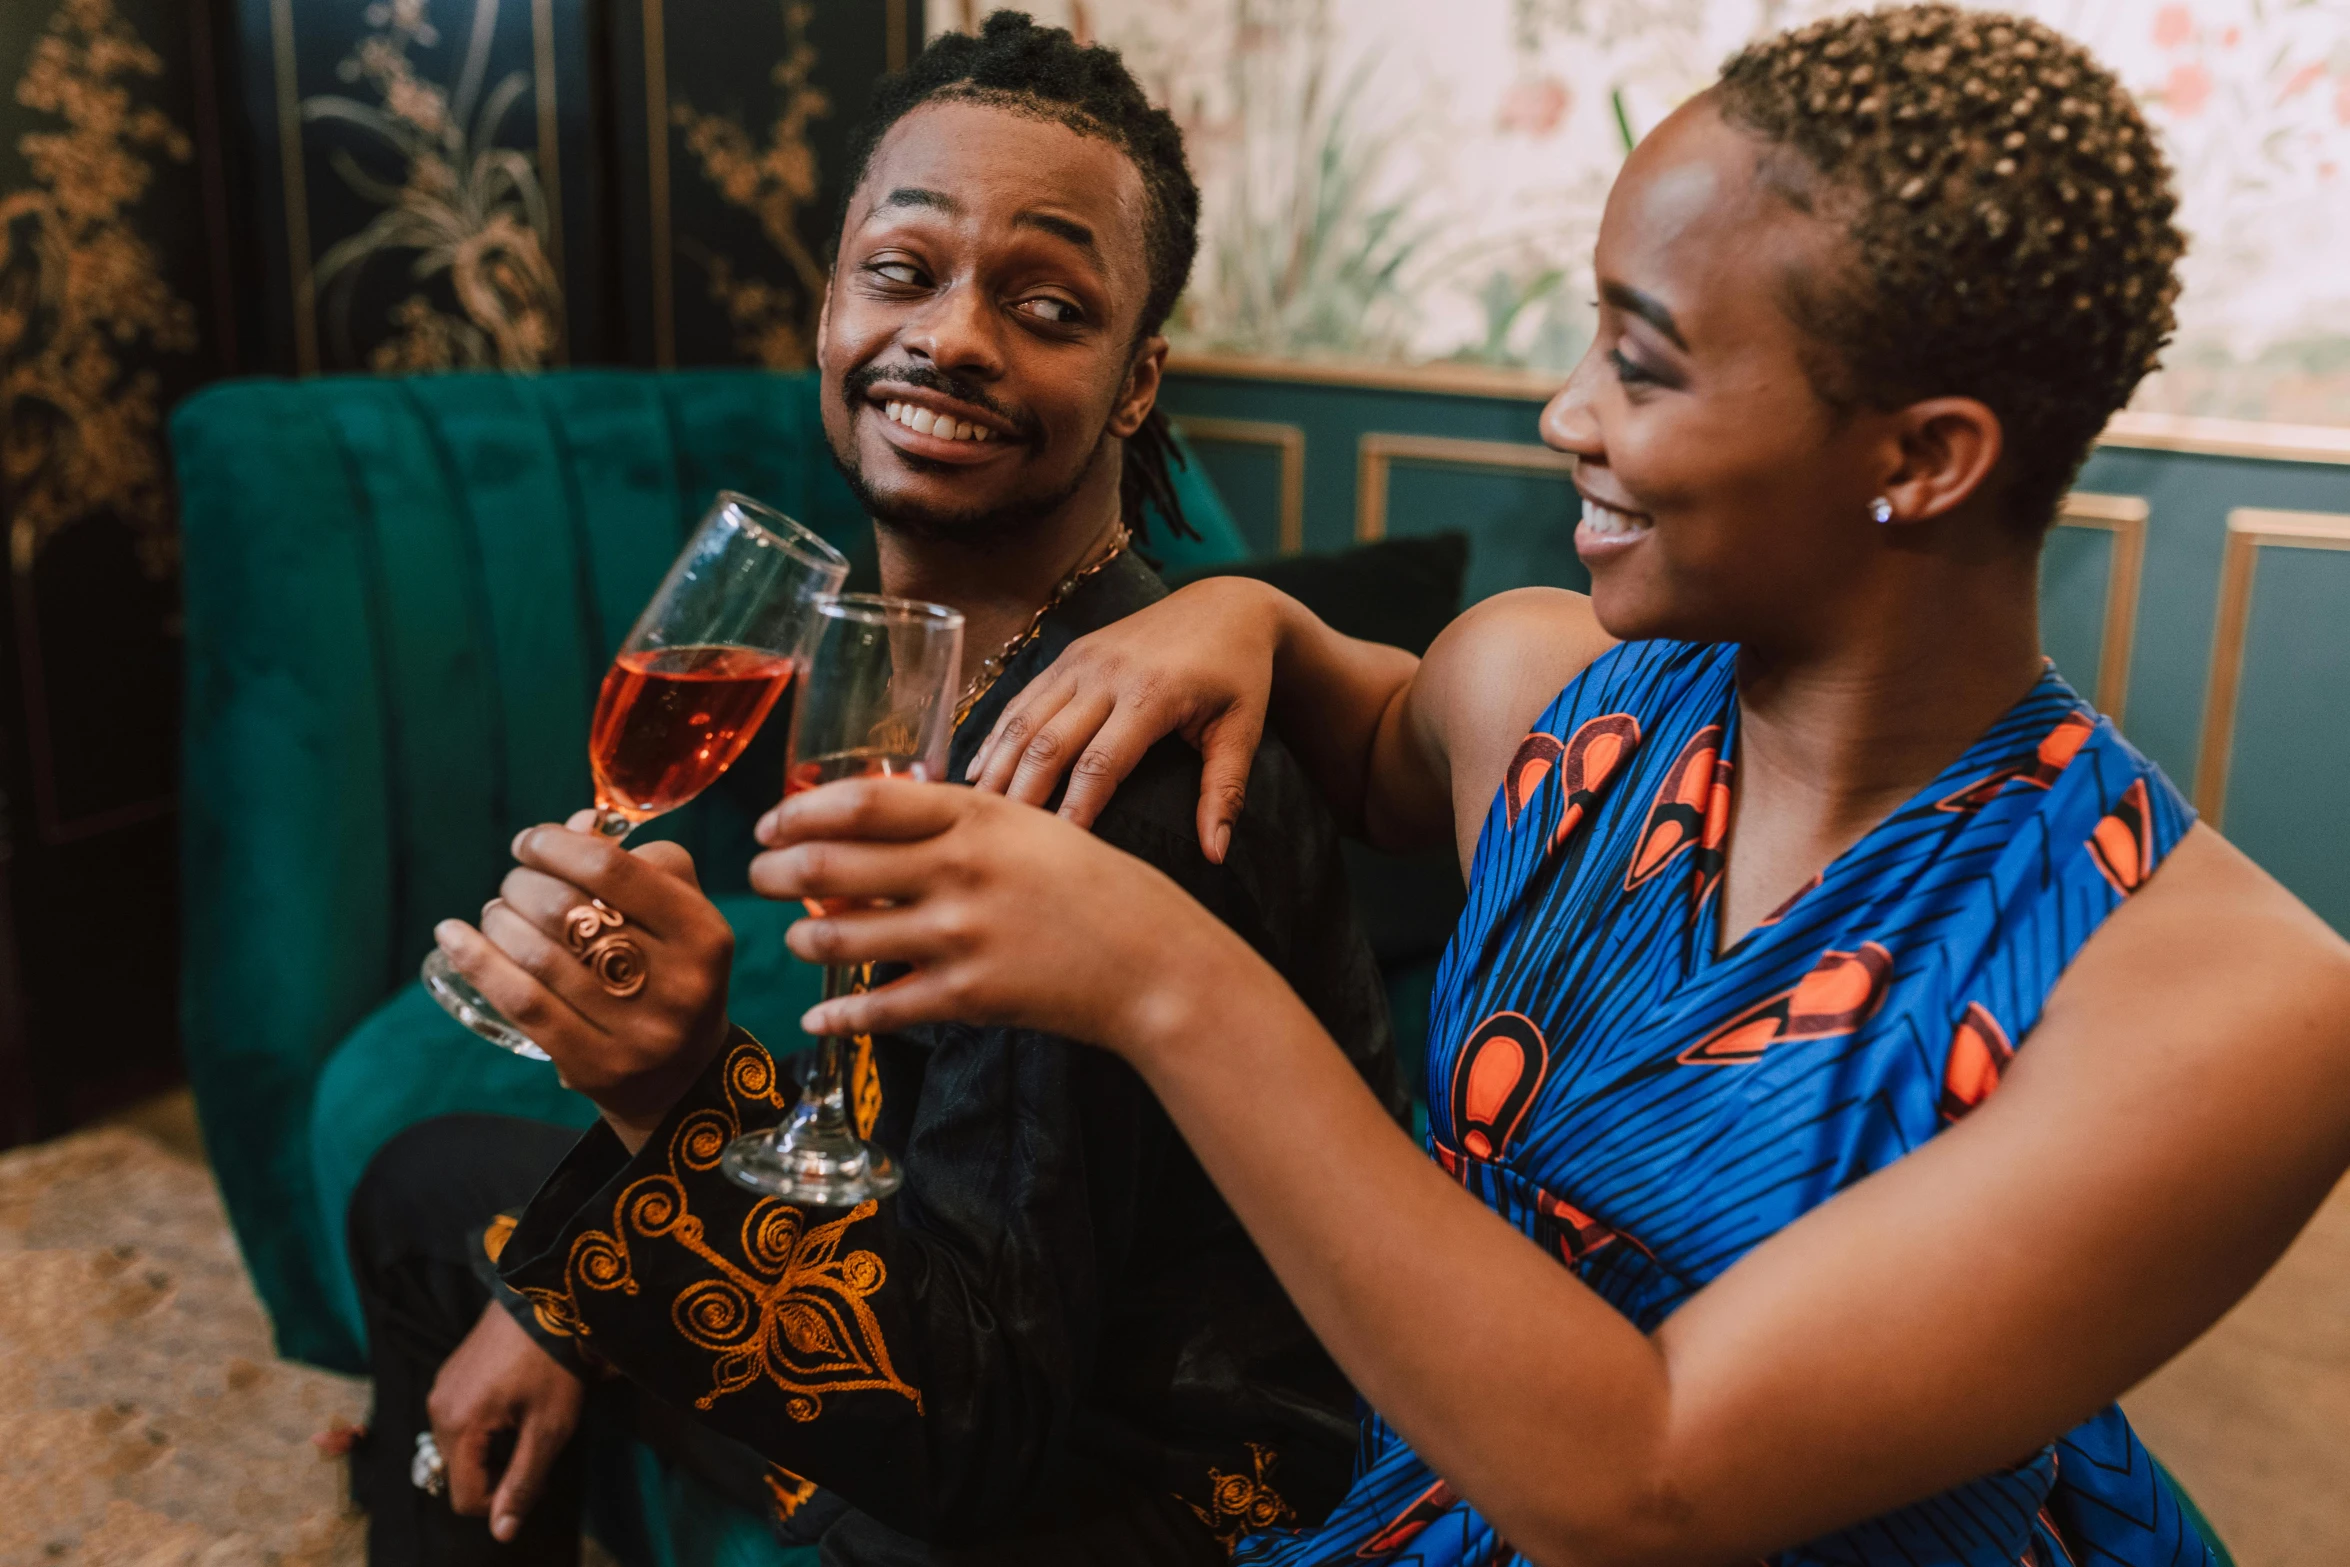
[1405, 750]
[2181, 1109]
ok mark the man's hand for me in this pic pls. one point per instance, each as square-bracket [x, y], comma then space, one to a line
[500, 1380]
[632, 1054]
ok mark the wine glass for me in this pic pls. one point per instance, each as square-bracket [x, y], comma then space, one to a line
[704, 664]
[878, 700]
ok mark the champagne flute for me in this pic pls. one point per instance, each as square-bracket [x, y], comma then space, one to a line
[877, 700]
[701, 669]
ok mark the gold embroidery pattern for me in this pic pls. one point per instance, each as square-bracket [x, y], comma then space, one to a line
[494, 1239]
[1242, 1504]
[774, 322]
[78, 286]
[790, 1308]
[787, 1492]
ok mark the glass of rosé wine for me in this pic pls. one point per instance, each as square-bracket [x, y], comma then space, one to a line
[703, 666]
[878, 700]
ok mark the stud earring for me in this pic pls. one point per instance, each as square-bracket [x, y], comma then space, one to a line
[1880, 511]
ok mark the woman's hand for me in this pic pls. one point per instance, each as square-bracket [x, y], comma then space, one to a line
[1199, 664]
[1005, 914]
[632, 1051]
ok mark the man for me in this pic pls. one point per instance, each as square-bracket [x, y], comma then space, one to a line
[1056, 1344]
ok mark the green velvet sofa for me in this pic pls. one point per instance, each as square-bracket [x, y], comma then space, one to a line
[401, 595]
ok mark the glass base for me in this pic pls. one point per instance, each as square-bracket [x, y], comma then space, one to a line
[800, 1162]
[468, 1006]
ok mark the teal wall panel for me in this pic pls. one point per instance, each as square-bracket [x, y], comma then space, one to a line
[2076, 571]
[1248, 476]
[2290, 749]
[2190, 496]
[2297, 669]
[1521, 526]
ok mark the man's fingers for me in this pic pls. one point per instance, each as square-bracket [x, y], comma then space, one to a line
[878, 809]
[1015, 727]
[1103, 765]
[670, 859]
[536, 1447]
[602, 869]
[1228, 750]
[533, 1006]
[467, 1453]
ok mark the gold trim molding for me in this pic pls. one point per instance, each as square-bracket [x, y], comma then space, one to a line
[2249, 531]
[657, 184]
[297, 190]
[542, 60]
[1289, 440]
[2134, 431]
[1381, 449]
[2123, 516]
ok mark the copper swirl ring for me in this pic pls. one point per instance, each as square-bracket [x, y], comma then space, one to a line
[618, 963]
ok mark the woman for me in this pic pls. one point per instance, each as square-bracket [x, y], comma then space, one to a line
[1786, 849]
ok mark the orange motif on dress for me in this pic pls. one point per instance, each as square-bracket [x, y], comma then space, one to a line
[1979, 1053]
[2056, 751]
[1843, 991]
[1405, 1526]
[2122, 846]
[1585, 763]
[1692, 810]
[1577, 1234]
[1494, 1082]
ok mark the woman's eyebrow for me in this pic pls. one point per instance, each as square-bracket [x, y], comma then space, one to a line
[1647, 307]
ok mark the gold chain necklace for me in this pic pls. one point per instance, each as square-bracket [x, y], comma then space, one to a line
[991, 668]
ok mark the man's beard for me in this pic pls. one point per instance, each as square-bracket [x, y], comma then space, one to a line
[976, 525]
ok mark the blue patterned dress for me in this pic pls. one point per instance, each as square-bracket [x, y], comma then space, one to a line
[1647, 1111]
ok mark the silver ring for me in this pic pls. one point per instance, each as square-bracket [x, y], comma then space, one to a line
[427, 1471]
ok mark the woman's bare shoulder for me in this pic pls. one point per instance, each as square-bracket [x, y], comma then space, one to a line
[1511, 649]
[1488, 678]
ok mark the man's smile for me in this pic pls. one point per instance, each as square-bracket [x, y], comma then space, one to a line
[935, 427]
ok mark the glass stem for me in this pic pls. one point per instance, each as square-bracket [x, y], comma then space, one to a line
[612, 824]
[828, 1089]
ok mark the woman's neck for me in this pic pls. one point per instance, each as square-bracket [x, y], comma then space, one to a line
[1837, 735]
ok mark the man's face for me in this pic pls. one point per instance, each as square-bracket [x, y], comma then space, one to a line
[990, 282]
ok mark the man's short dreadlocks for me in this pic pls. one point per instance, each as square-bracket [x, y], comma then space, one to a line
[2009, 209]
[1014, 64]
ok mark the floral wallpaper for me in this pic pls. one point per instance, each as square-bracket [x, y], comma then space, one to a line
[1390, 180]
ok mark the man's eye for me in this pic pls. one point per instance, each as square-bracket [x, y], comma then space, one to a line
[897, 271]
[1046, 308]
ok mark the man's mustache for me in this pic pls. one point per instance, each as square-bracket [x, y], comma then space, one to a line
[859, 382]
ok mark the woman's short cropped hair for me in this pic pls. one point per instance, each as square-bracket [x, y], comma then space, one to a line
[2010, 214]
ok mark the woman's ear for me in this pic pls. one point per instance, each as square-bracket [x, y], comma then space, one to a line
[1948, 448]
[1141, 391]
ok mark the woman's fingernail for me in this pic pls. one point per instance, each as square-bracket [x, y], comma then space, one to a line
[445, 934]
[971, 769]
[504, 1528]
[1223, 842]
[515, 848]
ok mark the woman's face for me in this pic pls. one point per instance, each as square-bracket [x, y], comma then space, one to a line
[1723, 499]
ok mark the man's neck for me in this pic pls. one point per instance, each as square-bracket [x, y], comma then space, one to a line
[998, 583]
